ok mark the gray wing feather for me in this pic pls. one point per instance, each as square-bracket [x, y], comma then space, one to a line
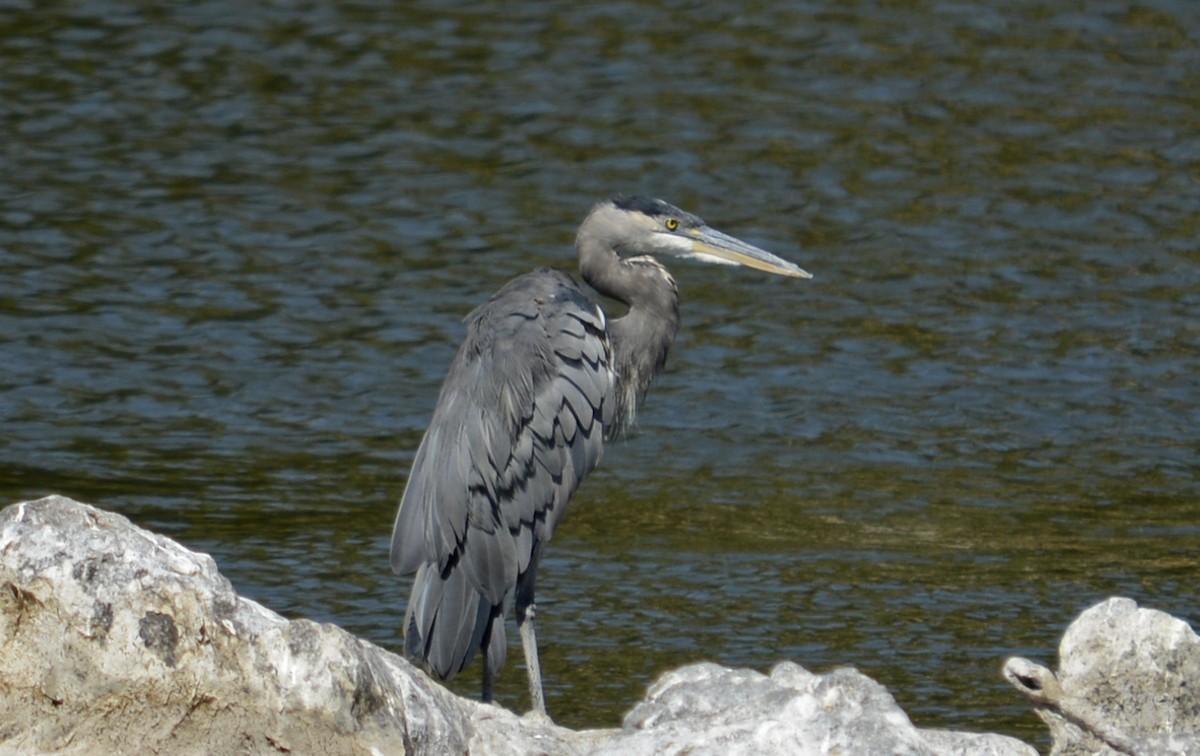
[519, 423]
[450, 650]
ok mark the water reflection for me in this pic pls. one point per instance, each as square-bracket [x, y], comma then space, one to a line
[236, 243]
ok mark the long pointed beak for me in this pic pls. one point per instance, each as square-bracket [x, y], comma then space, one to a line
[711, 245]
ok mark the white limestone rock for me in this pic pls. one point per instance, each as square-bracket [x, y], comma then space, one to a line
[708, 709]
[114, 639]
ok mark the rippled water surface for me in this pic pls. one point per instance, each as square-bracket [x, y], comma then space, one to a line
[237, 242]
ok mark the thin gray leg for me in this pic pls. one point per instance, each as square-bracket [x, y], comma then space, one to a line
[487, 681]
[532, 665]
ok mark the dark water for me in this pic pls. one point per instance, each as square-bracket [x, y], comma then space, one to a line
[237, 241]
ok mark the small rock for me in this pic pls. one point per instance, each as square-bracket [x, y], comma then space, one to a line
[707, 709]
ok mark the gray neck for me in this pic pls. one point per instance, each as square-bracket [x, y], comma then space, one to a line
[641, 338]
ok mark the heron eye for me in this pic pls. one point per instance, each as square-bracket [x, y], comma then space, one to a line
[671, 224]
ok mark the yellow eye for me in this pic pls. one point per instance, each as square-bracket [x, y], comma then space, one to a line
[671, 224]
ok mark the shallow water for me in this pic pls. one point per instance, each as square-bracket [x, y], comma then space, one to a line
[237, 243]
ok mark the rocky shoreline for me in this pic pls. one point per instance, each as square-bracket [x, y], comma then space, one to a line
[115, 639]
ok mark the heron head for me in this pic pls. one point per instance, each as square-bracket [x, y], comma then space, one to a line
[642, 226]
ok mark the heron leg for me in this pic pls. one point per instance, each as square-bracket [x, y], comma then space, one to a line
[487, 682]
[529, 644]
[525, 613]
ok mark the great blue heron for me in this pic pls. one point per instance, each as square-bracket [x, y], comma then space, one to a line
[541, 380]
